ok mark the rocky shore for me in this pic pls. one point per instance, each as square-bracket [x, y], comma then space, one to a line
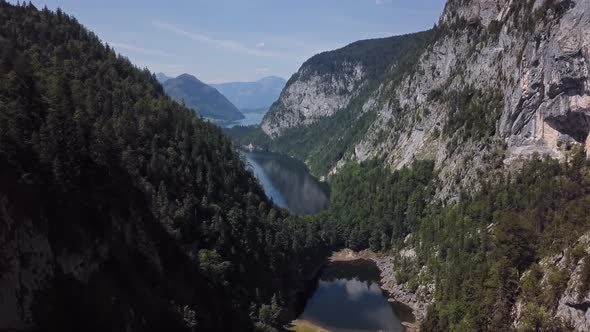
[397, 293]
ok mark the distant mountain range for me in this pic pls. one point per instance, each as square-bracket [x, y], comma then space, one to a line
[223, 101]
[161, 77]
[200, 97]
[253, 97]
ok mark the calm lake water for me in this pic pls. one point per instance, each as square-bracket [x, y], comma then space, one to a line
[288, 183]
[348, 298]
[249, 119]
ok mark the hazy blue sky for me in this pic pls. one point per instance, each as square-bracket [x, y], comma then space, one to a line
[229, 40]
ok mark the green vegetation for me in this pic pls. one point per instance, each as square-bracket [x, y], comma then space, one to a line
[201, 98]
[475, 250]
[306, 326]
[92, 151]
[473, 114]
[372, 207]
[325, 142]
[376, 55]
[95, 155]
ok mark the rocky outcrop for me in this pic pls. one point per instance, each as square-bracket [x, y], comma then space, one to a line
[67, 267]
[399, 292]
[535, 57]
[519, 69]
[312, 96]
[417, 301]
[27, 267]
[328, 83]
[572, 305]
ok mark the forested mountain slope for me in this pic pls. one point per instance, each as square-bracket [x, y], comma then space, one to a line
[497, 81]
[468, 168]
[202, 98]
[513, 256]
[121, 210]
[320, 113]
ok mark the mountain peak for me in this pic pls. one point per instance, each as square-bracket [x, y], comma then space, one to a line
[186, 76]
[202, 98]
[161, 77]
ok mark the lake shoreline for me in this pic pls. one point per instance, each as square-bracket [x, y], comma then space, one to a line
[303, 325]
[396, 293]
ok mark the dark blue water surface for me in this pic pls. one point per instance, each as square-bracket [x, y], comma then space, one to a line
[288, 183]
[250, 119]
[348, 298]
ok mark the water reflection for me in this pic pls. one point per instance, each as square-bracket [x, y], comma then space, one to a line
[250, 119]
[348, 298]
[288, 182]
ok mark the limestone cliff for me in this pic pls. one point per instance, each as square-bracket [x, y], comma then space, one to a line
[501, 80]
[328, 82]
[564, 284]
[313, 96]
[532, 56]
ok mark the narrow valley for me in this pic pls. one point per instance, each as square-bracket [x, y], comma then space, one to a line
[435, 180]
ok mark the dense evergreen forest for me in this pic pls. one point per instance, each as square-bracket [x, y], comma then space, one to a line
[98, 162]
[475, 250]
[92, 149]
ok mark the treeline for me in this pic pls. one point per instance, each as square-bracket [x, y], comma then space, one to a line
[89, 142]
[322, 144]
[373, 207]
[97, 138]
[479, 248]
[375, 55]
[476, 250]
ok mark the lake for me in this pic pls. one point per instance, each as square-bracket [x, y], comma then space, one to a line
[348, 298]
[250, 119]
[288, 183]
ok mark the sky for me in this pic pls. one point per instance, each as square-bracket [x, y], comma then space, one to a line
[241, 40]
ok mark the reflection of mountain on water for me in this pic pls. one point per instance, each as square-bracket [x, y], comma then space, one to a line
[361, 270]
[346, 301]
[302, 192]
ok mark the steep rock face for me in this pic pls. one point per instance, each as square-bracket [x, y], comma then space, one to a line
[572, 303]
[501, 81]
[96, 269]
[532, 56]
[313, 96]
[328, 82]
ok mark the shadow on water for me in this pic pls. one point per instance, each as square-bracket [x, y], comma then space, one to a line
[288, 183]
